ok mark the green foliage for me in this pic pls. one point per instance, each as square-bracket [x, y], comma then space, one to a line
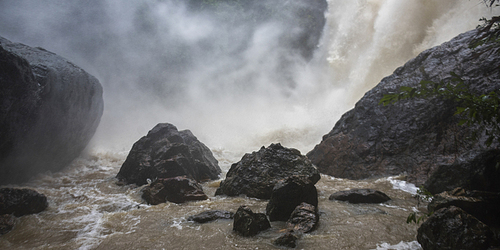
[482, 110]
[417, 217]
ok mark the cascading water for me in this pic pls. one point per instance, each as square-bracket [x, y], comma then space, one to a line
[161, 62]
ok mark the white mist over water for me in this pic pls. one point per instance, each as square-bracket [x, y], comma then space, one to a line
[159, 62]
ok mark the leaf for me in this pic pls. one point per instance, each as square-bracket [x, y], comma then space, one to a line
[462, 122]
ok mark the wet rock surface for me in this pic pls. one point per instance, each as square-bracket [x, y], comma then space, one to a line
[177, 189]
[288, 239]
[453, 228]
[49, 111]
[21, 202]
[166, 152]
[413, 136]
[7, 222]
[247, 223]
[257, 173]
[211, 215]
[288, 194]
[360, 196]
[304, 219]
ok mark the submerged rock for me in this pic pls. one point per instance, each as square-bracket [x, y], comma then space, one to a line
[247, 223]
[21, 202]
[257, 173]
[360, 196]
[166, 152]
[453, 228]
[49, 111]
[413, 136]
[288, 239]
[7, 222]
[211, 215]
[288, 194]
[177, 189]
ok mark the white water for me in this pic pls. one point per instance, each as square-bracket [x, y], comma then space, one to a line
[233, 105]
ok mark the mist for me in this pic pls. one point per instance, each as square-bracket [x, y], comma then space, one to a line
[229, 76]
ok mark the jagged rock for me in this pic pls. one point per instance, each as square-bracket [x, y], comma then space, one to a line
[288, 194]
[360, 196]
[481, 173]
[211, 215]
[480, 204]
[304, 219]
[21, 202]
[49, 111]
[257, 173]
[247, 223]
[7, 222]
[177, 189]
[288, 239]
[413, 136]
[453, 228]
[166, 152]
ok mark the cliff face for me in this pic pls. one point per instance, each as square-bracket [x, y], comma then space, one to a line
[49, 111]
[412, 136]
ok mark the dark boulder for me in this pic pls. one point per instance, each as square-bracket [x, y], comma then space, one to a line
[166, 152]
[413, 136]
[21, 202]
[288, 194]
[211, 215]
[304, 219]
[247, 223]
[453, 228]
[360, 196]
[177, 189]
[49, 111]
[288, 239]
[480, 204]
[257, 173]
[481, 173]
[7, 222]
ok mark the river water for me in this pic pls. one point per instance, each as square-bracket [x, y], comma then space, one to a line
[87, 210]
[233, 104]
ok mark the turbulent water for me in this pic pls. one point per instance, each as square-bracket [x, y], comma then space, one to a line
[234, 104]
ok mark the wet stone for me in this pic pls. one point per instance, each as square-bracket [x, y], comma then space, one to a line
[211, 215]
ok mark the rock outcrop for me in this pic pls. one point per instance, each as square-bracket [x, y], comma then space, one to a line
[360, 196]
[211, 215]
[257, 173]
[166, 152]
[49, 111]
[413, 136]
[247, 223]
[288, 194]
[453, 228]
[177, 189]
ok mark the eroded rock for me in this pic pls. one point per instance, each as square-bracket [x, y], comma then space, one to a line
[257, 173]
[166, 152]
[177, 189]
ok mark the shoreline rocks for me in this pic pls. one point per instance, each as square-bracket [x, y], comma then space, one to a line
[256, 174]
[49, 111]
[166, 152]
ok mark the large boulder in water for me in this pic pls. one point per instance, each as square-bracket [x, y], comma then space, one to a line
[166, 152]
[177, 189]
[412, 136]
[49, 111]
[257, 173]
[21, 202]
[356, 196]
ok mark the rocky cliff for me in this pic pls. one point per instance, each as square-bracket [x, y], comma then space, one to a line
[411, 136]
[49, 111]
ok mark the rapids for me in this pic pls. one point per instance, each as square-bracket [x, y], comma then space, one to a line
[363, 41]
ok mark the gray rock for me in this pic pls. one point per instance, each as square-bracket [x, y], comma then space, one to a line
[257, 173]
[211, 215]
[49, 111]
[166, 152]
[412, 136]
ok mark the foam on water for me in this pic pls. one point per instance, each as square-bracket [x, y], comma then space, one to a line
[414, 245]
